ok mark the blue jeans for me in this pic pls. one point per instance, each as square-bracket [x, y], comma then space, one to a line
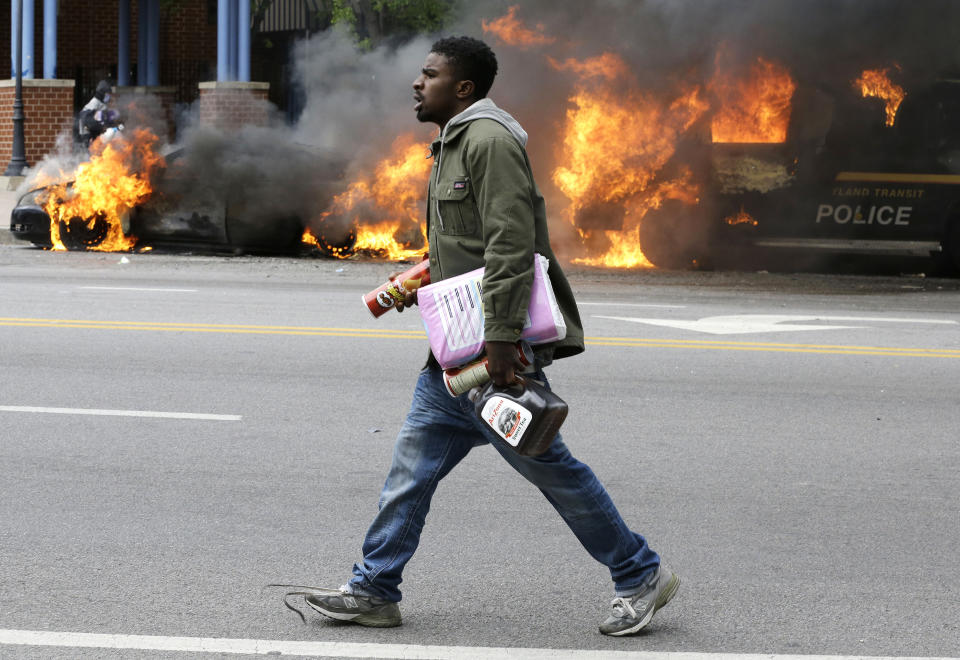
[439, 431]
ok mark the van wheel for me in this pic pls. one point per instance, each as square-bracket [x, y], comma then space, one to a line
[674, 236]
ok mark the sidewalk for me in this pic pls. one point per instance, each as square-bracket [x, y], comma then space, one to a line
[8, 199]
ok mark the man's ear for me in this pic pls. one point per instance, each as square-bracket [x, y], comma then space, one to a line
[465, 89]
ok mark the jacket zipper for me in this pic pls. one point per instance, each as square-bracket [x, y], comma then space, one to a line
[436, 188]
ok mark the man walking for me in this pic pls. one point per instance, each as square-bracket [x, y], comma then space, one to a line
[484, 209]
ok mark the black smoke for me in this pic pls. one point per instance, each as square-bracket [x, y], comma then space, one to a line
[357, 102]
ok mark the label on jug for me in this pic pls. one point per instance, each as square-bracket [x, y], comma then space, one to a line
[508, 419]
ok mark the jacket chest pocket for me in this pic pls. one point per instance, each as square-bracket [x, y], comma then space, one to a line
[456, 209]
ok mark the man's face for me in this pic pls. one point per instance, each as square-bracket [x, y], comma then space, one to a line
[437, 93]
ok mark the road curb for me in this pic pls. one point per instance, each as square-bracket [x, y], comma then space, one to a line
[8, 199]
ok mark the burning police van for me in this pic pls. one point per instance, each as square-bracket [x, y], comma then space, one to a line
[847, 180]
[752, 168]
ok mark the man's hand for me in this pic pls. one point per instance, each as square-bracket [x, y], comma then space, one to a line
[410, 287]
[409, 298]
[503, 363]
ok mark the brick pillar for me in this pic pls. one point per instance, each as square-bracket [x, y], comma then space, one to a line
[230, 105]
[135, 99]
[47, 111]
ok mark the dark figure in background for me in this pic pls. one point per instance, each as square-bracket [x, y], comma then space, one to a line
[96, 117]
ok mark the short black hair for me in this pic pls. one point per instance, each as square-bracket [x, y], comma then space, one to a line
[471, 58]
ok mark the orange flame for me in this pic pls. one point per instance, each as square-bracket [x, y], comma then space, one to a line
[741, 218]
[615, 146]
[877, 83]
[511, 31]
[755, 109]
[387, 206]
[105, 189]
[607, 65]
[624, 252]
[339, 251]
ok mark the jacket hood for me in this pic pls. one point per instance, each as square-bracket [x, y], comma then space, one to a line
[487, 109]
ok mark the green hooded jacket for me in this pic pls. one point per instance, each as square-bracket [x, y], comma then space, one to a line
[484, 210]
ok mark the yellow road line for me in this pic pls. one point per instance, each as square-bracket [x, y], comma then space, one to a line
[717, 343]
[635, 342]
[188, 326]
[893, 177]
[316, 332]
[839, 350]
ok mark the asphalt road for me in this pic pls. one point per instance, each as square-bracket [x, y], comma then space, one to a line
[803, 481]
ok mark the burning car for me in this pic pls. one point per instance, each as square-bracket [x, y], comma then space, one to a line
[211, 194]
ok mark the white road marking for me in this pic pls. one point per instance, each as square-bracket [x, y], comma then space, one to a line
[121, 413]
[620, 304]
[133, 288]
[883, 319]
[751, 323]
[370, 650]
[733, 325]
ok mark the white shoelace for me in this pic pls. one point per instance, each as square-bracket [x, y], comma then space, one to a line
[624, 606]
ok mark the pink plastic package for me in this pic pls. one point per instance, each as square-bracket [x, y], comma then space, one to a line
[452, 312]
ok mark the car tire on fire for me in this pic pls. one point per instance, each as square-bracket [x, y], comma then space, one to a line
[340, 245]
[84, 233]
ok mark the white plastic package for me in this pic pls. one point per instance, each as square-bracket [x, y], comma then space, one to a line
[452, 312]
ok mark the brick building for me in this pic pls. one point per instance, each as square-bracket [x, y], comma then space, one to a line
[87, 50]
[87, 44]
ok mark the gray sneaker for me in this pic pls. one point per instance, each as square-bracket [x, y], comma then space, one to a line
[345, 606]
[631, 613]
